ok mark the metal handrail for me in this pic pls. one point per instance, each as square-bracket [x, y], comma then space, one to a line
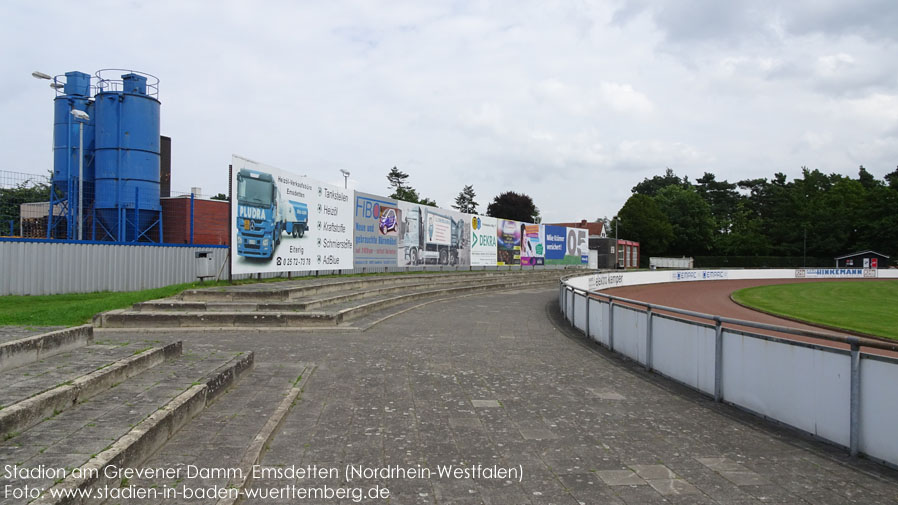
[852, 341]
[118, 84]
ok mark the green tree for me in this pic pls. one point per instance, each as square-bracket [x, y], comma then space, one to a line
[650, 187]
[511, 205]
[397, 179]
[723, 200]
[403, 191]
[464, 202]
[221, 196]
[641, 220]
[690, 219]
[11, 198]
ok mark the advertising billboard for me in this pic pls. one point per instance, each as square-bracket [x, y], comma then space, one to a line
[432, 236]
[483, 240]
[375, 230]
[287, 222]
[566, 246]
[508, 248]
[578, 245]
[533, 249]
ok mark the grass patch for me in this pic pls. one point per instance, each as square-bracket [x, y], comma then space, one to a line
[862, 306]
[79, 308]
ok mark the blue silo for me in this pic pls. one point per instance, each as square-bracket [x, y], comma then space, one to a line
[66, 152]
[126, 164]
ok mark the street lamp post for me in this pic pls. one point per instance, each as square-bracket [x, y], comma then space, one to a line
[82, 118]
[345, 178]
[616, 244]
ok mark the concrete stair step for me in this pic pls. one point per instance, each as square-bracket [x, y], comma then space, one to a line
[126, 423]
[233, 431]
[47, 388]
[335, 315]
[30, 379]
[309, 286]
[351, 311]
[171, 319]
[30, 348]
[312, 301]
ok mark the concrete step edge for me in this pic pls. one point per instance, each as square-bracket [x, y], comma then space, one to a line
[26, 413]
[369, 307]
[30, 349]
[274, 306]
[225, 295]
[253, 454]
[152, 433]
[168, 319]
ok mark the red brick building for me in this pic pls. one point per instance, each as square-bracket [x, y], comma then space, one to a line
[210, 221]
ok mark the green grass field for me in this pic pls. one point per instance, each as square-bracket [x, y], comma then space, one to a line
[869, 307]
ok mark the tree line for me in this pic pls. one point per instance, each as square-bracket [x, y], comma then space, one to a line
[816, 215]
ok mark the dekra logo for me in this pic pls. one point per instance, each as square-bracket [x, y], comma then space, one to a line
[483, 240]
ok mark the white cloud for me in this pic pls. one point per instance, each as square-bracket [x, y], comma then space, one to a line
[623, 98]
[573, 103]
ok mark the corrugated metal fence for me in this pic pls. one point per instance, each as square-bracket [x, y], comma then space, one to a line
[44, 268]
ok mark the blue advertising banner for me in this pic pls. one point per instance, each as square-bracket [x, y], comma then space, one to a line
[375, 230]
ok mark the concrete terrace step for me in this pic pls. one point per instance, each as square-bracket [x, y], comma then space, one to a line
[286, 290]
[21, 351]
[233, 431]
[27, 380]
[337, 313]
[310, 302]
[125, 418]
[73, 381]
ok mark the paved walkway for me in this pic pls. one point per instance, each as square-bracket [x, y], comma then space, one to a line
[531, 412]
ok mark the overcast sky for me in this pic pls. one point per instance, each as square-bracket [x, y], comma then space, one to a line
[571, 102]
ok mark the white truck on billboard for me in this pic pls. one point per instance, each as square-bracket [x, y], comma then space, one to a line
[430, 237]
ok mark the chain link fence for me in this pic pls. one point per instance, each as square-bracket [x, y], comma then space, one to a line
[183, 217]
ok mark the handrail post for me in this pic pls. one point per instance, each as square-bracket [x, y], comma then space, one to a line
[573, 307]
[718, 360]
[587, 316]
[648, 337]
[611, 324]
[855, 398]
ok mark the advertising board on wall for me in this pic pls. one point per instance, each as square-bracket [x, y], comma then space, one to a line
[508, 248]
[375, 230]
[287, 222]
[566, 246]
[432, 236]
[834, 273]
[483, 240]
[533, 249]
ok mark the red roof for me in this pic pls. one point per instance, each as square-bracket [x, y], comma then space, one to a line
[595, 228]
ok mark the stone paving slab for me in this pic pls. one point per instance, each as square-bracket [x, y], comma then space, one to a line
[72, 437]
[10, 333]
[574, 424]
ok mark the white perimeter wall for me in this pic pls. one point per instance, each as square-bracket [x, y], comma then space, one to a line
[802, 385]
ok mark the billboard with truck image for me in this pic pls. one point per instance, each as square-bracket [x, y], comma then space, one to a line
[432, 236]
[287, 222]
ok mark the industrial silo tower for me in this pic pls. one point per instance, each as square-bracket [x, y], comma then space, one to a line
[73, 140]
[127, 206]
[108, 145]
